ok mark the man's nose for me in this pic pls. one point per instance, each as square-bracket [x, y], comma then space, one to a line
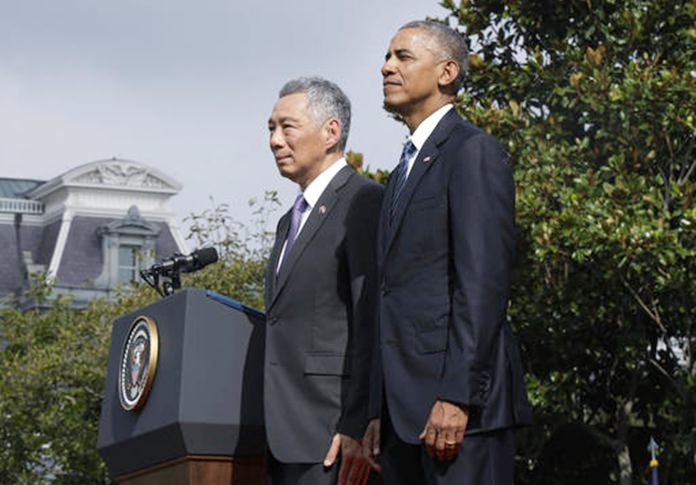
[387, 68]
[276, 139]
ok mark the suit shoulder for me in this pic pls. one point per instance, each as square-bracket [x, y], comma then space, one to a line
[365, 186]
[363, 181]
[363, 196]
[467, 136]
[464, 131]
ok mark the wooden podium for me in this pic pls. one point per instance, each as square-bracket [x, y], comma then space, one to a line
[183, 394]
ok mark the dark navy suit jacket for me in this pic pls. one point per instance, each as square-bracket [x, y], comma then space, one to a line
[445, 258]
[320, 318]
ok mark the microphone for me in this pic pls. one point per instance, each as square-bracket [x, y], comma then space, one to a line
[195, 261]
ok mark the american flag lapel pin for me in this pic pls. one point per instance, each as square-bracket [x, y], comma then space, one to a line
[322, 209]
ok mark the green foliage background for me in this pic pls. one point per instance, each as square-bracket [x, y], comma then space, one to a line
[595, 102]
[54, 364]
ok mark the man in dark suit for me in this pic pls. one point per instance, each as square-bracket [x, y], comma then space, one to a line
[320, 292]
[448, 380]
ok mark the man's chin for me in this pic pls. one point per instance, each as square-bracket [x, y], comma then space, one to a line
[284, 172]
[393, 110]
[390, 106]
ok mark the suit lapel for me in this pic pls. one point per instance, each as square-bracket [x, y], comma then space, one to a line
[426, 159]
[316, 219]
[281, 236]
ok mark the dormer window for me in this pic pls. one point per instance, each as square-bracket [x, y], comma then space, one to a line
[128, 267]
[128, 245]
[84, 228]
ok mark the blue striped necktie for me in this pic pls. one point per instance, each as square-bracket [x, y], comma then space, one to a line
[400, 172]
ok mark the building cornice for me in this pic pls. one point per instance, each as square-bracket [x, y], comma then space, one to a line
[115, 174]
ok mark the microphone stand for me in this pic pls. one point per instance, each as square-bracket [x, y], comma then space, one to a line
[170, 280]
[165, 277]
[174, 282]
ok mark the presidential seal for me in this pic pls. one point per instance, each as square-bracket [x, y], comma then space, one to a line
[138, 363]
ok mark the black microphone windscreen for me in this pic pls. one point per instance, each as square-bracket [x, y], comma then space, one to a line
[206, 256]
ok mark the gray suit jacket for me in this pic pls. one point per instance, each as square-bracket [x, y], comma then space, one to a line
[320, 322]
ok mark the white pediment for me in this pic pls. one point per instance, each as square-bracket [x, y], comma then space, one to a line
[114, 173]
[120, 173]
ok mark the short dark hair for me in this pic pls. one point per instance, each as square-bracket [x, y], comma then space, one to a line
[325, 100]
[451, 45]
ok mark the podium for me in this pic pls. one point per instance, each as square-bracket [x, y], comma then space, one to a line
[183, 393]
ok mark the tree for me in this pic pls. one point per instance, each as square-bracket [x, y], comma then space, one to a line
[595, 102]
[53, 365]
[244, 249]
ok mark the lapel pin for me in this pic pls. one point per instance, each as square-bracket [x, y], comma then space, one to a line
[322, 209]
[426, 159]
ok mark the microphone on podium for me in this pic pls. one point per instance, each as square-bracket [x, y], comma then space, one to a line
[171, 268]
[183, 263]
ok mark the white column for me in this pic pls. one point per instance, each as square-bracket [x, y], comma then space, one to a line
[62, 239]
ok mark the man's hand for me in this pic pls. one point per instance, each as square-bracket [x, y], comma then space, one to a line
[444, 431]
[355, 469]
[370, 444]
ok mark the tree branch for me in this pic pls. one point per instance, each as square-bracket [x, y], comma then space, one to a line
[654, 316]
[683, 177]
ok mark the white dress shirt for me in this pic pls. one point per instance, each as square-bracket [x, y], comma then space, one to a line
[311, 195]
[424, 130]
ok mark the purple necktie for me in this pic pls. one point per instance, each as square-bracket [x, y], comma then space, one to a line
[297, 210]
[399, 173]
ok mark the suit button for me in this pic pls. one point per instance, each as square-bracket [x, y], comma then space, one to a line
[384, 289]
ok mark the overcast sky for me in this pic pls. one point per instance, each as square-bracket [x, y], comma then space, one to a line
[186, 86]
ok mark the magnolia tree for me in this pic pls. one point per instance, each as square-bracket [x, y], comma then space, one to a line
[596, 104]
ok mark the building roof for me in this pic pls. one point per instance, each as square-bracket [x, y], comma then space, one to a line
[114, 173]
[30, 239]
[72, 225]
[16, 188]
[83, 257]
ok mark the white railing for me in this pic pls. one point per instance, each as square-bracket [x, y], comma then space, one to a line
[20, 206]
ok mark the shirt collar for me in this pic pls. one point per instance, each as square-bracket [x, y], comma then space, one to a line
[427, 126]
[317, 186]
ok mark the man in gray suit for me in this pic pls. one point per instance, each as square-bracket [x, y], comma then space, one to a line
[320, 284]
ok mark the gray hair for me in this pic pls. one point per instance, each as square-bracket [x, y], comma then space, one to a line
[450, 45]
[325, 100]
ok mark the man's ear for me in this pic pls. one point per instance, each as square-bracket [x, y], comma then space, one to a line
[449, 71]
[332, 131]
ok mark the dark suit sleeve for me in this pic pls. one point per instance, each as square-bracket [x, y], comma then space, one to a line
[361, 234]
[481, 197]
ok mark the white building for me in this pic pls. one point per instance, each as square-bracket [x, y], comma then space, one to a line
[90, 229]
